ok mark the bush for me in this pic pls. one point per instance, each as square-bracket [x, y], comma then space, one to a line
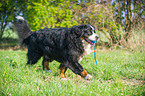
[49, 14]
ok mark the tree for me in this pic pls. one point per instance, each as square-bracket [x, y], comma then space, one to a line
[133, 12]
[8, 10]
[128, 23]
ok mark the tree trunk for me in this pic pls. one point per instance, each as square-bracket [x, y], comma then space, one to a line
[128, 23]
[2, 30]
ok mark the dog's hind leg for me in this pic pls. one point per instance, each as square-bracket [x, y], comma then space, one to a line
[45, 63]
[63, 69]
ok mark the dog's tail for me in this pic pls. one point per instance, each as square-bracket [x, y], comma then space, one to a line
[22, 27]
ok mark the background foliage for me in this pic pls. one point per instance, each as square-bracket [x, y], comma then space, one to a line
[49, 14]
[115, 19]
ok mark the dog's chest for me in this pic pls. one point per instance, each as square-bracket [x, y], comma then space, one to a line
[87, 49]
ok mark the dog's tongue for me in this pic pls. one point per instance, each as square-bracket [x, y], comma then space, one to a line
[90, 41]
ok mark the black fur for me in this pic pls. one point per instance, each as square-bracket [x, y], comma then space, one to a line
[63, 44]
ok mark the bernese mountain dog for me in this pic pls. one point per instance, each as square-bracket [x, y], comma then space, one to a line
[65, 45]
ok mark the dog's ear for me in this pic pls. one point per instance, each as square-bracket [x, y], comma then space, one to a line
[76, 31]
[82, 30]
[85, 30]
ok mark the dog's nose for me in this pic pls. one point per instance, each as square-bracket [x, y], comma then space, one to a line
[97, 37]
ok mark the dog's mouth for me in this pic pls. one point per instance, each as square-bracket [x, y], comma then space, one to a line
[90, 41]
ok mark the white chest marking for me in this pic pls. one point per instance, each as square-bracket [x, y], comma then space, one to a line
[87, 49]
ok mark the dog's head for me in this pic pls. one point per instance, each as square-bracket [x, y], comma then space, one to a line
[87, 32]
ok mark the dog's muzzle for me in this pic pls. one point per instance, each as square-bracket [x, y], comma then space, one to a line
[92, 42]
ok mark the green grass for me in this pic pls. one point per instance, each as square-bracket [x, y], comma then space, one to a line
[119, 72]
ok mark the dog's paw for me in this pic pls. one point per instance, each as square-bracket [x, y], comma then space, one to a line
[88, 77]
[49, 71]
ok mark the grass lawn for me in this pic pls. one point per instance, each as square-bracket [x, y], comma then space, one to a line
[120, 72]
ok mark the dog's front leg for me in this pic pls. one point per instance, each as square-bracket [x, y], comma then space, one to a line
[78, 69]
[45, 64]
[85, 75]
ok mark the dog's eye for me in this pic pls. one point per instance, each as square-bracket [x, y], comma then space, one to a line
[89, 33]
